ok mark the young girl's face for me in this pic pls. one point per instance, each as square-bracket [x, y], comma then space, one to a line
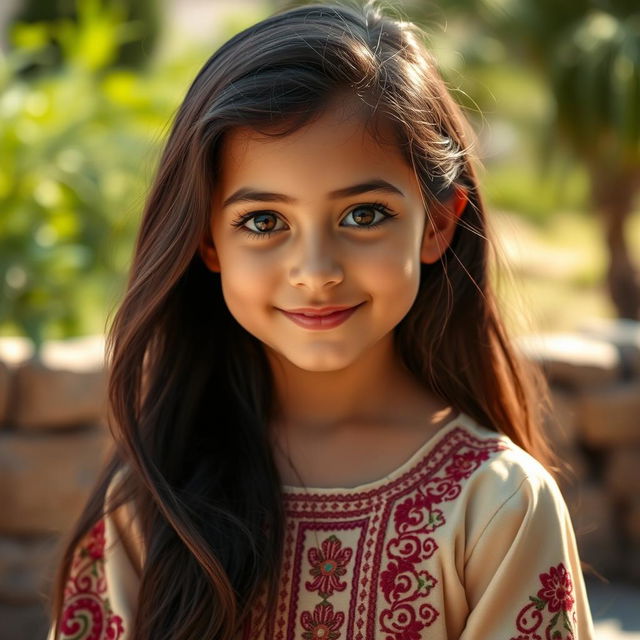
[325, 216]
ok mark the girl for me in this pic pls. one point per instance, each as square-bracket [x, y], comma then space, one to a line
[322, 430]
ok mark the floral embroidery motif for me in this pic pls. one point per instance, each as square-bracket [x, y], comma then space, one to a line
[328, 564]
[402, 582]
[327, 567]
[556, 595]
[557, 588]
[323, 624]
[87, 614]
[384, 585]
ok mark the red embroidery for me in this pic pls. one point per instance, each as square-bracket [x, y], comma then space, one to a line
[557, 589]
[87, 614]
[387, 583]
[464, 464]
[327, 567]
[556, 596]
[323, 624]
[404, 583]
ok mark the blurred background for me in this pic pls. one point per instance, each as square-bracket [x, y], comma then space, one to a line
[88, 89]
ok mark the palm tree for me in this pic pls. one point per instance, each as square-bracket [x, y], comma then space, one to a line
[594, 67]
[589, 52]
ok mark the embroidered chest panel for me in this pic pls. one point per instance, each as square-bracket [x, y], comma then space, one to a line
[364, 565]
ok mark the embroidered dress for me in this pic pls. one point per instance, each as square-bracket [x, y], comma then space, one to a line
[469, 539]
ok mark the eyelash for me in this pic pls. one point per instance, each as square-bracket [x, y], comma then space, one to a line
[377, 206]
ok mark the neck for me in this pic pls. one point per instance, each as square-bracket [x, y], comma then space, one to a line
[376, 389]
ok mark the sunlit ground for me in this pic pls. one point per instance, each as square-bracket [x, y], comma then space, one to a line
[614, 608]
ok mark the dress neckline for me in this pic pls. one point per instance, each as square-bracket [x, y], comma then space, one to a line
[459, 420]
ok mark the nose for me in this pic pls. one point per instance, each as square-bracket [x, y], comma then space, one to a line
[316, 264]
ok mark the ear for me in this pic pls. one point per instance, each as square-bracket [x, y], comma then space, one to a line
[442, 224]
[208, 252]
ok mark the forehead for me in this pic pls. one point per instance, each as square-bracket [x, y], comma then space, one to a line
[340, 140]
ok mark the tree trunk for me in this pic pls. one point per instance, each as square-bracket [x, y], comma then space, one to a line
[613, 194]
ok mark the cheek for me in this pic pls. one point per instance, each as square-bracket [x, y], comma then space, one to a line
[247, 277]
[394, 271]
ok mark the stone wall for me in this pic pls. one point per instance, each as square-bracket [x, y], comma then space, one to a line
[53, 439]
[594, 374]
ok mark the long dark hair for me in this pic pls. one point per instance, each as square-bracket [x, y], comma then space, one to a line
[190, 391]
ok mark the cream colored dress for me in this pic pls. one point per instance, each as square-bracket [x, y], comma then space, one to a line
[469, 539]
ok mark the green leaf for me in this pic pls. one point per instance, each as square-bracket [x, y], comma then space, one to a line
[31, 36]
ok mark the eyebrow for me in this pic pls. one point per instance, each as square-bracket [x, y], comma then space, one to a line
[249, 194]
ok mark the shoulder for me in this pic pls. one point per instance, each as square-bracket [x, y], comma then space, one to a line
[516, 552]
[101, 589]
[122, 526]
[509, 484]
[505, 467]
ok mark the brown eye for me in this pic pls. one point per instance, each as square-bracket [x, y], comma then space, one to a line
[264, 222]
[364, 216]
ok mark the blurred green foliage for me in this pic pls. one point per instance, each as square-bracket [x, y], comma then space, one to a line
[588, 52]
[524, 169]
[79, 140]
[136, 23]
[78, 146]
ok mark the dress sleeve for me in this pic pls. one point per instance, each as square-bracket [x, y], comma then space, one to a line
[101, 592]
[523, 579]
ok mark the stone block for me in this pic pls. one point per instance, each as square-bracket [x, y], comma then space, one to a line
[622, 473]
[621, 332]
[26, 622]
[573, 361]
[26, 568]
[632, 565]
[631, 520]
[578, 473]
[5, 392]
[56, 398]
[596, 528]
[45, 478]
[66, 386]
[561, 425]
[562, 434]
[610, 417]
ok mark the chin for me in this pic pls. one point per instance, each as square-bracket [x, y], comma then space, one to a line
[320, 363]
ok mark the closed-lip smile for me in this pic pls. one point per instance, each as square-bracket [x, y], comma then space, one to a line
[318, 311]
[320, 318]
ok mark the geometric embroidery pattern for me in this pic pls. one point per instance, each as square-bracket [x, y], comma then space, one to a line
[375, 546]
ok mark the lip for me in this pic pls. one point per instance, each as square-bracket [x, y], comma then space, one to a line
[318, 311]
[326, 321]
